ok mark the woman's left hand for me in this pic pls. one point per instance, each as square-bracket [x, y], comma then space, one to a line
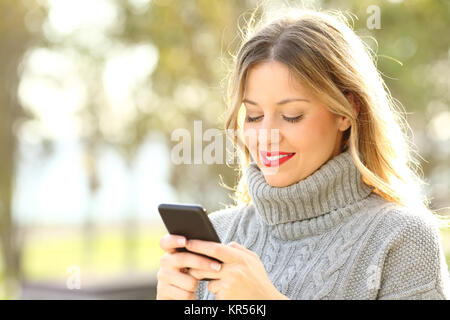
[241, 276]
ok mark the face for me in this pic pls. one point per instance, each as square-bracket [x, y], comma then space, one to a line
[286, 120]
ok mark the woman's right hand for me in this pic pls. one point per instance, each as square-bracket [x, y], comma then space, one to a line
[174, 283]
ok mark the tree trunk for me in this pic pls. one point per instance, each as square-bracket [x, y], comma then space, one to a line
[14, 39]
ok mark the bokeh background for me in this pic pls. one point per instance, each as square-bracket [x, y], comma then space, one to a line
[90, 92]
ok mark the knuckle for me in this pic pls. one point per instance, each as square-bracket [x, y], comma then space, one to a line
[216, 251]
[195, 260]
[205, 263]
[164, 258]
[163, 276]
[163, 241]
[167, 259]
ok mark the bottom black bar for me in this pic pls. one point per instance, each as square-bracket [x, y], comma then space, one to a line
[230, 309]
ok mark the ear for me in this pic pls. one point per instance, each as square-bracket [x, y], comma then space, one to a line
[344, 121]
[354, 101]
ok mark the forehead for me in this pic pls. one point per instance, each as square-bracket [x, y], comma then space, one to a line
[272, 77]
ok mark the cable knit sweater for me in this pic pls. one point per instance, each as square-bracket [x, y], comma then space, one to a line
[330, 237]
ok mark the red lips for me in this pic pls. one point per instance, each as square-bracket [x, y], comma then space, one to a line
[277, 162]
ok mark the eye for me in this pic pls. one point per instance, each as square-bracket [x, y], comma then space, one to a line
[293, 119]
[290, 119]
[253, 119]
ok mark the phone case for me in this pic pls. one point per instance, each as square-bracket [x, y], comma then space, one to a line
[188, 220]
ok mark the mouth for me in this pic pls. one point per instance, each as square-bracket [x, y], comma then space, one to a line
[275, 158]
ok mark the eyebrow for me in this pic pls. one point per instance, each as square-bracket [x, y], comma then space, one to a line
[278, 103]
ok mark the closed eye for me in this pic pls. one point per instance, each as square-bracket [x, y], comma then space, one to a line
[293, 119]
[253, 119]
[289, 119]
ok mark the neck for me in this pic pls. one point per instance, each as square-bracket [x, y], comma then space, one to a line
[325, 197]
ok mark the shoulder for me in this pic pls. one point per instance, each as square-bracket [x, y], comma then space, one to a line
[414, 261]
[411, 236]
[405, 235]
[410, 223]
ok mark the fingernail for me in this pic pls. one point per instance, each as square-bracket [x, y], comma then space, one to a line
[215, 266]
[181, 241]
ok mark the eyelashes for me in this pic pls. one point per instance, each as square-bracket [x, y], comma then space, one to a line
[250, 119]
[289, 119]
[294, 119]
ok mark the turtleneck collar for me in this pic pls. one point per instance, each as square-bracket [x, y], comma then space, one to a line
[321, 200]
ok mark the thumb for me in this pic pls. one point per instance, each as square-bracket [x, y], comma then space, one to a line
[236, 245]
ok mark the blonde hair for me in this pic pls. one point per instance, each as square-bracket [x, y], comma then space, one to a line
[324, 53]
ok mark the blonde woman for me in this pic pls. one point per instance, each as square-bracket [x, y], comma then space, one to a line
[330, 206]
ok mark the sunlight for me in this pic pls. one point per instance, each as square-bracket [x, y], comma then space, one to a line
[66, 16]
[51, 89]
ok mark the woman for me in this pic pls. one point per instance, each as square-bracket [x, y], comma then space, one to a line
[329, 208]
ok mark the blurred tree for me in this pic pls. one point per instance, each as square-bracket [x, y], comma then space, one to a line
[194, 40]
[184, 86]
[14, 39]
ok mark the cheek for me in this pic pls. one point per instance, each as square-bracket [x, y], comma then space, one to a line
[250, 138]
[314, 131]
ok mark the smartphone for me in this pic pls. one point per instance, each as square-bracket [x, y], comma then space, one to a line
[188, 220]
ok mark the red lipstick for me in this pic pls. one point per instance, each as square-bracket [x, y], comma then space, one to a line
[275, 158]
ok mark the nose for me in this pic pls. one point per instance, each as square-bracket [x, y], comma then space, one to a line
[269, 135]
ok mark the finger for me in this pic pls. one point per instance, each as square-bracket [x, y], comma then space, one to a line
[171, 292]
[181, 260]
[243, 249]
[202, 274]
[178, 279]
[171, 242]
[236, 245]
[216, 250]
[214, 286]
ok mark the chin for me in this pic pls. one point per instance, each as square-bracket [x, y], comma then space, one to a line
[278, 182]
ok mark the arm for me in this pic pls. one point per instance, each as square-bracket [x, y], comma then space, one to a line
[414, 266]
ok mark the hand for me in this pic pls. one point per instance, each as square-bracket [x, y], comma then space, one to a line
[174, 283]
[242, 275]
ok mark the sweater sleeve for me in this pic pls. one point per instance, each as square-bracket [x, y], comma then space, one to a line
[414, 265]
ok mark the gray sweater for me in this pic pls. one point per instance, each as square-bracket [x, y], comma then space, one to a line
[330, 237]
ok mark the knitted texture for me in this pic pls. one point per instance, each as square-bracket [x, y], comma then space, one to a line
[330, 237]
